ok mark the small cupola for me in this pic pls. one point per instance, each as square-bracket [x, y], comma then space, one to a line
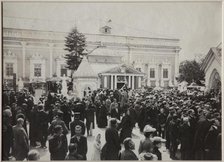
[106, 29]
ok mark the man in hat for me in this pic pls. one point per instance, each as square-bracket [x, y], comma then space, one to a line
[173, 136]
[58, 121]
[202, 128]
[186, 139]
[157, 143]
[112, 146]
[42, 125]
[146, 144]
[58, 145]
[7, 134]
[81, 142]
[21, 144]
[127, 153]
[161, 122]
[169, 118]
[79, 107]
[76, 122]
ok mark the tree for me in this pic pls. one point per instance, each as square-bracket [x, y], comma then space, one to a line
[75, 44]
[190, 71]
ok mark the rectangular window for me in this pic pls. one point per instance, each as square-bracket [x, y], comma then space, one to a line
[9, 69]
[37, 70]
[63, 70]
[152, 72]
[165, 73]
[139, 69]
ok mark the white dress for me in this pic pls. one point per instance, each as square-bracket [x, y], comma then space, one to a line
[96, 151]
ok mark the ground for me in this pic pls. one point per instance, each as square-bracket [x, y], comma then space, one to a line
[136, 136]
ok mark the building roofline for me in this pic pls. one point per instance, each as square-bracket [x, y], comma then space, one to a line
[124, 36]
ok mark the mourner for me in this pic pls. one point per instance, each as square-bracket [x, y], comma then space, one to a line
[191, 125]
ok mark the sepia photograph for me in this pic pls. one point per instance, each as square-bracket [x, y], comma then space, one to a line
[111, 80]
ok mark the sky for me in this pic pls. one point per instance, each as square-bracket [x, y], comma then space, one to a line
[198, 25]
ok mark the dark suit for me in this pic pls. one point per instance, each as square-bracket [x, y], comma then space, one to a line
[74, 124]
[115, 113]
[202, 129]
[60, 122]
[58, 147]
[81, 145]
[112, 146]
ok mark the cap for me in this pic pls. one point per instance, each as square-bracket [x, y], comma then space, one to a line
[7, 113]
[158, 139]
[148, 156]
[148, 128]
[78, 128]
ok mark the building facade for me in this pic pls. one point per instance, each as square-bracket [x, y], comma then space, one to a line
[37, 55]
[212, 68]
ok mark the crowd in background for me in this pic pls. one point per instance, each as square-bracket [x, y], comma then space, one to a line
[192, 122]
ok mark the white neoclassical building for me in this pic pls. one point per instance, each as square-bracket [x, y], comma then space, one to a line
[36, 55]
[212, 68]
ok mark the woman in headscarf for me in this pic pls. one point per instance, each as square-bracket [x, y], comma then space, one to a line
[96, 148]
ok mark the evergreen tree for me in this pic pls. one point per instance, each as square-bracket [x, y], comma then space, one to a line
[75, 44]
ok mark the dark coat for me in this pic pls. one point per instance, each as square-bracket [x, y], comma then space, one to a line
[58, 147]
[82, 146]
[157, 153]
[210, 143]
[102, 117]
[127, 155]
[185, 137]
[60, 122]
[43, 121]
[202, 129]
[112, 146]
[115, 113]
[7, 142]
[79, 107]
[21, 144]
[74, 124]
[34, 126]
[126, 128]
[90, 116]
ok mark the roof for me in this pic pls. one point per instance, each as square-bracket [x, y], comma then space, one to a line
[100, 67]
[123, 69]
[85, 70]
[215, 52]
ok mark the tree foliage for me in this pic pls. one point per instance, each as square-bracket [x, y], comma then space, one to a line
[190, 71]
[75, 44]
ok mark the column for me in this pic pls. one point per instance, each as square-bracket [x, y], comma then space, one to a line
[162, 80]
[139, 82]
[157, 75]
[24, 57]
[169, 76]
[133, 80]
[115, 82]
[176, 73]
[129, 81]
[51, 58]
[105, 81]
[112, 82]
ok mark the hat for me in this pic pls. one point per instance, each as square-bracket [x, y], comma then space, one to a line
[148, 156]
[113, 121]
[57, 128]
[78, 128]
[148, 128]
[158, 139]
[7, 113]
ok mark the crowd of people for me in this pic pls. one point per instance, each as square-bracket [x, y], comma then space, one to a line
[165, 116]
